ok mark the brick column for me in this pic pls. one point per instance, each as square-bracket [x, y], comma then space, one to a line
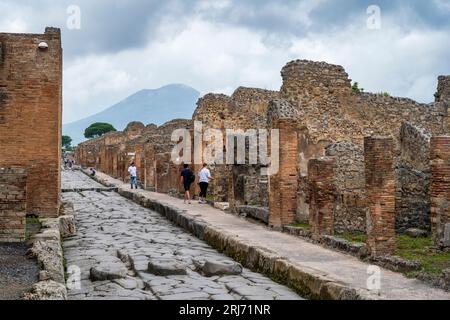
[380, 185]
[283, 185]
[440, 190]
[322, 195]
[13, 203]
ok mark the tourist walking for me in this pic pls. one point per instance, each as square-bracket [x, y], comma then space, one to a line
[132, 170]
[187, 179]
[204, 178]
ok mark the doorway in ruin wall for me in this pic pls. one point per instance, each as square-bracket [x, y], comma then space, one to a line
[247, 187]
[308, 149]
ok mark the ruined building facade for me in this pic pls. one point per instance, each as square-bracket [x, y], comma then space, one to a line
[327, 166]
[30, 122]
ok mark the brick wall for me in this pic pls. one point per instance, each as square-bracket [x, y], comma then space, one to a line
[380, 185]
[13, 202]
[283, 185]
[30, 114]
[440, 190]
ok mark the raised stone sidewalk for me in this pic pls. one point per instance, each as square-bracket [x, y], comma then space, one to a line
[315, 271]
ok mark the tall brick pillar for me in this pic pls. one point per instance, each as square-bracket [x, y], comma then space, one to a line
[322, 199]
[380, 185]
[440, 190]
[13, 204]
[283, 185]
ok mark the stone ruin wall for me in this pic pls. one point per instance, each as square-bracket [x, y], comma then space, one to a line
[413, 179]
[245, 109]
[349, 179]
[329, 112]
[30, 114]
[443, 90]
[331, 120]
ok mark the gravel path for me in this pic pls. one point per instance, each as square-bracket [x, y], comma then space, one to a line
[17, 272]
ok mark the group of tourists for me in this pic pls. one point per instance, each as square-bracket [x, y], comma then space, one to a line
[187, 179]
[68, 163]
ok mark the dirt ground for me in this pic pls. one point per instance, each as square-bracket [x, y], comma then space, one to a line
[17, 272]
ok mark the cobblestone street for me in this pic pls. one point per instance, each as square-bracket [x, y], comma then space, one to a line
[134, 253]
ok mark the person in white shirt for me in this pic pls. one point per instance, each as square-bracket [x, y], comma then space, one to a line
[204, 178]
[132, 170]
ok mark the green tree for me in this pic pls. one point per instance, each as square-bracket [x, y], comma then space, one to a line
[98, 129]
[356, 88]
[66, 142]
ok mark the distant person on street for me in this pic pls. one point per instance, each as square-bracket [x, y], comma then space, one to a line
[132, 170]
[187, 179]
[204, 178]
[93, 172]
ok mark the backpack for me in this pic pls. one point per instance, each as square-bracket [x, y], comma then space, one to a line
[191, 177]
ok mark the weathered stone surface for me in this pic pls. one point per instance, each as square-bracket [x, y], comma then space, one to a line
[398, 264]
[49, 256]
[67, 225]
[258, 213]
[215, 268]
[416, 233]
[47, 290]
[108, 271]
[166, 267]
[222, 205]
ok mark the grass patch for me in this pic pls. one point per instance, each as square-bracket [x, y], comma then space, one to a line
[210, 198]
[356, 237]
[303, 225]
[420, 249]
[32, 226]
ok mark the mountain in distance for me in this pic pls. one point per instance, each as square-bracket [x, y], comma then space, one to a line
[158, 106]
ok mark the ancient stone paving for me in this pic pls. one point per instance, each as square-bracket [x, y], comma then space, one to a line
[117, 240]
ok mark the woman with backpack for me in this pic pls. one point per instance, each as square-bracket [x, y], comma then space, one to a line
[187, 179]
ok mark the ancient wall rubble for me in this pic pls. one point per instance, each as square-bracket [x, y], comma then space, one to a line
[30, 114]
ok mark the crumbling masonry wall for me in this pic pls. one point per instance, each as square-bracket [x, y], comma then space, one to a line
[13, 202]
[412, 205]
[329, 112]
[30, 114]
[443, 90]
[349, 181]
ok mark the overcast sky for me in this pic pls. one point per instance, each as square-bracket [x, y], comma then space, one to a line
[215, 46]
